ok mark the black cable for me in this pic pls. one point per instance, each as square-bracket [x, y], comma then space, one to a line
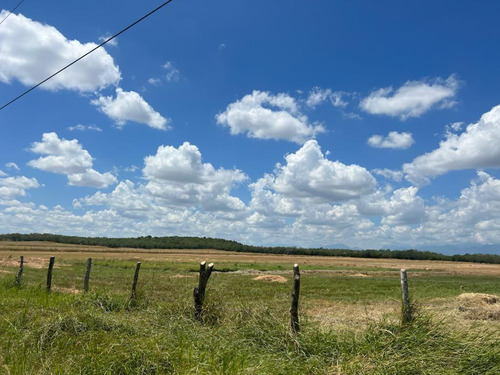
[86, 54]
[7, 16]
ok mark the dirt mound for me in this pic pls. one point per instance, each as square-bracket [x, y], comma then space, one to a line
[479, 306]
[272, 278]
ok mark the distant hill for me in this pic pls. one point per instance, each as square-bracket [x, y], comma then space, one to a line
[176, 242]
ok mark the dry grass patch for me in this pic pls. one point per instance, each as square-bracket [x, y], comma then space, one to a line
[66, 290]
[479, 306]
[178, 276]
[349, 316]
[271, 278]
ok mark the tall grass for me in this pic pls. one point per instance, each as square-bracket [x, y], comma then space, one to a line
[245, 328]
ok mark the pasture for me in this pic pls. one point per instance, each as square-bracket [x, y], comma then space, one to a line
[349, 313]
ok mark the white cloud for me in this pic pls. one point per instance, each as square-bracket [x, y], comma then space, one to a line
[69, 158]
[307, 173]
[83, 128]
[403, 208]
[132, 168]
[393, 140]
[31, 51]
[306, 180]
[412, 99]
[130, 106]
[12, 165]
[178, 177]
[477, 147]
[2, 173]
[389, 174]
[11, 187]
[154, 81]
[282, 120]
[318, 96]
[474, 218]
[112, 42]
[92, 178]
[173, 73]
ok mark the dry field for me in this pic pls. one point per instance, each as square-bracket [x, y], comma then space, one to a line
[37, 253]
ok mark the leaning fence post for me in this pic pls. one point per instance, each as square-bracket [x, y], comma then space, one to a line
[136, 277]
[294, 310]
[199, 291]
[20, 272]
[49, 273]
[406, 306]
[87, 275]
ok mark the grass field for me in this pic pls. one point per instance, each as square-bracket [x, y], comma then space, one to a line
[349, 309]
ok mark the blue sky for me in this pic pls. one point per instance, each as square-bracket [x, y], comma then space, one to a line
[351, 123]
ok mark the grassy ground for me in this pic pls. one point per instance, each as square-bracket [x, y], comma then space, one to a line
[349, 312]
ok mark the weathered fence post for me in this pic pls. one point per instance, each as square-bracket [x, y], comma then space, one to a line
[406, 306]
[199, 291]
[294, 310]
[136, 277]
[20, 272]
[49, 273]
[87, 275]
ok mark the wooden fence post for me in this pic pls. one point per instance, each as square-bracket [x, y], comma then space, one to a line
[406, 306]
[294, 310]
[20, 272]
[49, 273]
[199, 291]
[87, 275]
[136, 277]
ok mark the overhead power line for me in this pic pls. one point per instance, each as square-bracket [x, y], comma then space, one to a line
[88, 53]
[7, 16]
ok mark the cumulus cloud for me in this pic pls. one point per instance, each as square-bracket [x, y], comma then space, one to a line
[477, 147]
[393, 140]
[404, 207]
[306, 180]
[68, 158]
[308, 173]
[266, 116]
[130, 106]
[318, 96]
[178, 176]
[12, 187]
[25, 43]
[412, 99]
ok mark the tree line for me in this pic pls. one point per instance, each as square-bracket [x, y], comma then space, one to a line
[176, 242]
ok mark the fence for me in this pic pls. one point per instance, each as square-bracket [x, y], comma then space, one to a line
[200, 290]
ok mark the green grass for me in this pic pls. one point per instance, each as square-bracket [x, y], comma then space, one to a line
[245, 328]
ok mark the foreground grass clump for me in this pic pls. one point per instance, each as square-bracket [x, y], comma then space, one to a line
[103, 332]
